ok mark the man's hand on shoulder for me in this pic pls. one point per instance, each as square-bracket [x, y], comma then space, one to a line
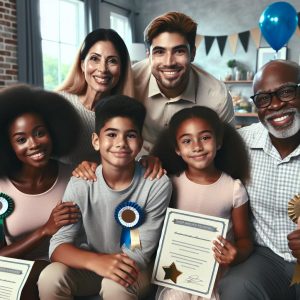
[86, 170]
[153, 167]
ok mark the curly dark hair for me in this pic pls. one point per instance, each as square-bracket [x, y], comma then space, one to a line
[119, 106]
[60, 117]
[231, 158]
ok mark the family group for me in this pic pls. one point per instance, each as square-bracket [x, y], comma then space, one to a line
[138, 139]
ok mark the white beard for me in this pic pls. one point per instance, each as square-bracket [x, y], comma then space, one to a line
[288, 131]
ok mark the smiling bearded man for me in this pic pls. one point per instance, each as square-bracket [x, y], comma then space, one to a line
[274, 150]
[167, 81]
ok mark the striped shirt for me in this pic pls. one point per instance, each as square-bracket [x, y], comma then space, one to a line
[274, 181]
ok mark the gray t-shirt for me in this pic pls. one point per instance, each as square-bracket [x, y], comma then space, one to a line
[97, 203]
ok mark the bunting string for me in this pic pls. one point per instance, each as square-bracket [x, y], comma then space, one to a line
[244, 38]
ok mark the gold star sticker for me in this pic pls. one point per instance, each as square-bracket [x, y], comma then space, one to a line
[171, 272]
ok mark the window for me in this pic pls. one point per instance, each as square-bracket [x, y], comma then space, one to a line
[122, 26]
[62, 29]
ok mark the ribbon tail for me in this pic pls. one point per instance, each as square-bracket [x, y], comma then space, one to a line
[125, 238]
[296, 276]
[135, 239]
[2, 235]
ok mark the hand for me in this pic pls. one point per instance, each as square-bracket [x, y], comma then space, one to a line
[86, 170]
[117, 267]
[224, 252]
[153, 167]
[294, 242]
[63, 213]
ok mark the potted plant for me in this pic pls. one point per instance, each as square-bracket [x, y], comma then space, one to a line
[232, 63]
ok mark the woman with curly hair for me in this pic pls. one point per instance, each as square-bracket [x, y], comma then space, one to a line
[32, 131]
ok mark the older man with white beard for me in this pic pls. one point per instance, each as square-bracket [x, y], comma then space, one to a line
[274, 149]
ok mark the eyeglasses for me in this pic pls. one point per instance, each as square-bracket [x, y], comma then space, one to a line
[284, 94]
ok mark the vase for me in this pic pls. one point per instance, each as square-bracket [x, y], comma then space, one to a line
[238, 75]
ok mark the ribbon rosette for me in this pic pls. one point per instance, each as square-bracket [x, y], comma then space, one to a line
[130, 216]
[6, 208]
[294, 214]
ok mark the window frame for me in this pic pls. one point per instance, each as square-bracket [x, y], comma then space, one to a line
[58, 42]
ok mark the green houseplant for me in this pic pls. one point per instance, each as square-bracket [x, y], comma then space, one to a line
[232, 63]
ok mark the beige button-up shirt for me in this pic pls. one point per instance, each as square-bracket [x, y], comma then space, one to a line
[202, 89]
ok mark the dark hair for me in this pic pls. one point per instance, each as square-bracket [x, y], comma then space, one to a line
[231, 158]
[75, 82]
[102, 34]
[171, 22]
[119, 106]
[60, 117]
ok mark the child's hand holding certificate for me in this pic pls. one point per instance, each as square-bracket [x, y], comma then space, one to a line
[185, 259]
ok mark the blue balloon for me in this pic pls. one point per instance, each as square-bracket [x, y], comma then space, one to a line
[277, 23]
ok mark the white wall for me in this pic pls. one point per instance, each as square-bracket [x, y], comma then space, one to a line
[215, 17]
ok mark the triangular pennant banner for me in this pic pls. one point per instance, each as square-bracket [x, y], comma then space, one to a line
[232, 39]
[221, 42]
[256, 36]
[198, 40]
[244, 38]
[208, 43]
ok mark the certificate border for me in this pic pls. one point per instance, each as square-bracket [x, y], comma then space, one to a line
[18, 263]
[178, 212]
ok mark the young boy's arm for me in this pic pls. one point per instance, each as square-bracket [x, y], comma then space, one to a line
[118, 267]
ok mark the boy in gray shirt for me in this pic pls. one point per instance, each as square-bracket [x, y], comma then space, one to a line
[122, 215]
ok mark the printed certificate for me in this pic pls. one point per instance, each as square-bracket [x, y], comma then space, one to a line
[13, 275]
[184, 259]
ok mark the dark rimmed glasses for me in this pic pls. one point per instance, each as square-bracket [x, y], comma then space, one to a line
[284, 94]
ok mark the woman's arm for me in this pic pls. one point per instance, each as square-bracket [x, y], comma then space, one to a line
[62, 214]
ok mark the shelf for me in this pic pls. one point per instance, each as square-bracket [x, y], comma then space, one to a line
[245, 119]
[238, 81]
[237, 114]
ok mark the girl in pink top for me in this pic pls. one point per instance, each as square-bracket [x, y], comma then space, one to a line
[34, 126]
[209, 162]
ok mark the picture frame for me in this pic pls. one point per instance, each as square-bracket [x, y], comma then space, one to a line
[266, 54]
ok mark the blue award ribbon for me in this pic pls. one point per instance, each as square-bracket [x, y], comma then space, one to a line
[130, 216]
[6, 208]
